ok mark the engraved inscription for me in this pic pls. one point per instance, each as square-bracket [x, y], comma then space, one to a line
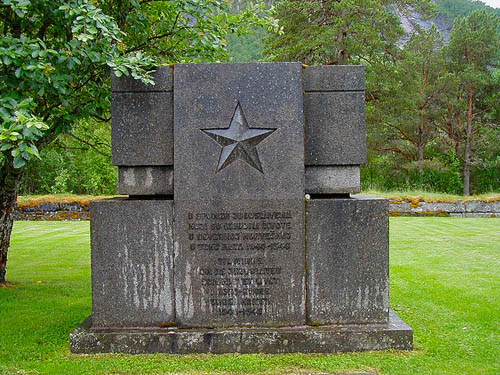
[244, 269]
[239, 141]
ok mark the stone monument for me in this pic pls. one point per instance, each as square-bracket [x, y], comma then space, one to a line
[239, 233]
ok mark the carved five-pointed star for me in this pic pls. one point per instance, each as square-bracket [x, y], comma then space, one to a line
[239, 141]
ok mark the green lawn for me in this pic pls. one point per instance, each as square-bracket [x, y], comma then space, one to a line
[445, 282]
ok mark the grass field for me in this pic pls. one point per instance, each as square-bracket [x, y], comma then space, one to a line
[445, 282]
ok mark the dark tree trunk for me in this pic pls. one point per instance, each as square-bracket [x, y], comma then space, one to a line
[9, 178]
[420, 150]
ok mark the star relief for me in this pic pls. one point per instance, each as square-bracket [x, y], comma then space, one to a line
[239, 141]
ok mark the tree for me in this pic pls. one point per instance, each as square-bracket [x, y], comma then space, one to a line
[405, 113]
[473, 50]
[339, 31]
[461, 8]
[56, 56]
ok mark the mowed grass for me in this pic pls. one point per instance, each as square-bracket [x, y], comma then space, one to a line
[445, 282]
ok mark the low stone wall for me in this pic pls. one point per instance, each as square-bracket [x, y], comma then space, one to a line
[474, 208]
[53, 211]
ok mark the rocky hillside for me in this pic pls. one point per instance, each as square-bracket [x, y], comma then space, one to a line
[412, 21]
[448, 10]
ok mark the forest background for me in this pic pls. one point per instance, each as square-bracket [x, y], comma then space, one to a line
[433, 117]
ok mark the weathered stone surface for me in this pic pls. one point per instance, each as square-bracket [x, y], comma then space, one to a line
[239, 188]
[241, 246]
[440, 206]
[347, 258]
[338, 179]
[482, 214]
[328, 339]
[240, 264]
[163, 78]
[206, 98]
[142, 133]
[453, 209]
[146, 180]
[334, 78]
[479, 206]
[335, 128]
[132, 260]
[404, 207]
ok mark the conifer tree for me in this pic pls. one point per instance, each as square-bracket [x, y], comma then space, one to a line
[473, 51]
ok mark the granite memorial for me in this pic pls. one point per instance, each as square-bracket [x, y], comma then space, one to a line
[239, 233]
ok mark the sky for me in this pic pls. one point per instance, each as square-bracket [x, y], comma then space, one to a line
[492, 3]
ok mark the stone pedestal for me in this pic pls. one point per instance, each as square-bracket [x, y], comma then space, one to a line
[217, 249]
[338, 338]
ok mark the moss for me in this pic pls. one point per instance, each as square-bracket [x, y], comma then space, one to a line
[314, 324]
[398, 213]
[438, 213]
[168, 324]
[415, 203]
[398, 201]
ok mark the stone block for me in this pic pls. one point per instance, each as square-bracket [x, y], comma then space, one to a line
[239, 191]
[142, 133]
[456, 207]
[162, 77]
[482, 207]
[403, 207]
[264, 99]
[132, 260]
[338, 179]
[335, 128]
[482, 214]
[146, 180]
[334, 78]
[396, 335]
[347, 254]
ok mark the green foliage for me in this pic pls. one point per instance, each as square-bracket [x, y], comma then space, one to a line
[70, 169]
[438, 173]
[444, 283]
[20, 130]
[419, 132]
[404, 113]
[184, 30]
[486, 171]
[473, 49]
[78, 162]
[56, 56]
[461, 8]
[474, 43]
[246, 48]
[339, 32]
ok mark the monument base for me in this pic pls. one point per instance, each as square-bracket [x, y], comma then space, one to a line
[304, 339]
